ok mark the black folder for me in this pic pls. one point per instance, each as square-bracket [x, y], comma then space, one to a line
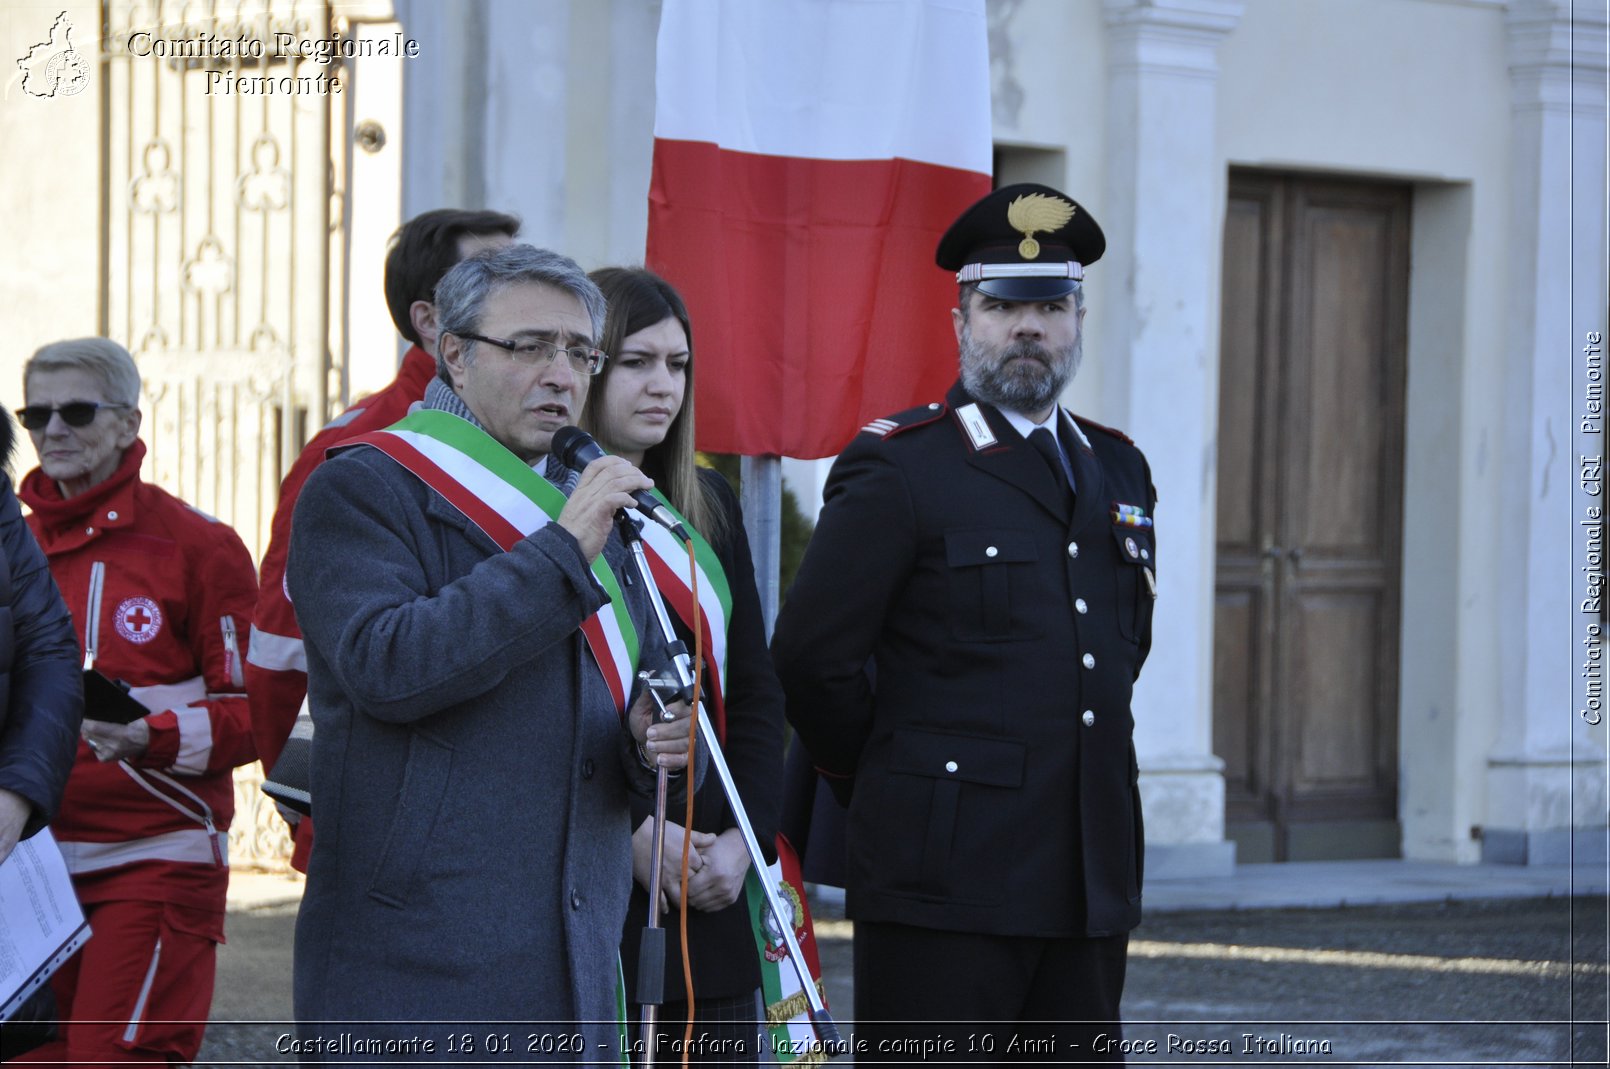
[108, 700]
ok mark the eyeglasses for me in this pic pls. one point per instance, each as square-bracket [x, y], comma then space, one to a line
[584, 359]
[73, 413]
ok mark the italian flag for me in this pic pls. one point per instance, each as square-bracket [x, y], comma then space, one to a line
[808, 154]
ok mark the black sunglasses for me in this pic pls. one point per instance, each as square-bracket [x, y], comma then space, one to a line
[73, 413]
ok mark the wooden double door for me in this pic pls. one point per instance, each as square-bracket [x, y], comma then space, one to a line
[1310, 505]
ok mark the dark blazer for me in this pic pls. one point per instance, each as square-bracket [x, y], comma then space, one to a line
[41, 682]
[724, 959]
[473, 856]
[992, 762]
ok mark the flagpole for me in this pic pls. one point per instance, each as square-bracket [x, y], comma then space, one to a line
[762, 499]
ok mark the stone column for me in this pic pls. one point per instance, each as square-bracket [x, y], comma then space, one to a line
[1164, 219]
[444, 107]
[1545, 777]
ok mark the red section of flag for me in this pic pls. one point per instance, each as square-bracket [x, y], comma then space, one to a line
[789, 859]
[811, 286]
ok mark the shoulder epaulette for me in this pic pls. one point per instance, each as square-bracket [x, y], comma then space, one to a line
[889, 426]
[1104, 429]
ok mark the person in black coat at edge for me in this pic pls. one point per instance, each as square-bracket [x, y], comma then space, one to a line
[642, 409]
[958, 653]
[41, 706]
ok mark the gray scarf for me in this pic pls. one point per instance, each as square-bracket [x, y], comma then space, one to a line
[444, 398]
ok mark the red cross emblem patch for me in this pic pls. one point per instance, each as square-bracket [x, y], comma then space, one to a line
[138, 619]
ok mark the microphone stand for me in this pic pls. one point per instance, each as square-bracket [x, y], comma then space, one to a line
[677, 684]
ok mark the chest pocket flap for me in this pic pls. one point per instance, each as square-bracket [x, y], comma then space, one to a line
[991, 579]
[1137, 584]
[982, 546]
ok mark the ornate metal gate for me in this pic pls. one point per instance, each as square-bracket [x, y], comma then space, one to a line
[224, 254]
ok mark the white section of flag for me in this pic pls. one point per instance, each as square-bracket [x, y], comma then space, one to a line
[828, 79]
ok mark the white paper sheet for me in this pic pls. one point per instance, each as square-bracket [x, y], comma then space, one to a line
[41, 924]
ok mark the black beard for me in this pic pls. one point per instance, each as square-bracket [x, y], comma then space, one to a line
[1030, 384]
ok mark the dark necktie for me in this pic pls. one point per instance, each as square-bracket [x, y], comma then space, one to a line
[1046, 446]
[1040, 438]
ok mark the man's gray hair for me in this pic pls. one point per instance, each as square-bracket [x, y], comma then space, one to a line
[101, 358]
[462, 293]
[965, 291]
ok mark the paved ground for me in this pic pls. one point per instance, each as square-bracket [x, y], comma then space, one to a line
[1431, 966]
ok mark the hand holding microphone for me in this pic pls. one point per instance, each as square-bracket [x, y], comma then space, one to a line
[605, 488]
[577, 449]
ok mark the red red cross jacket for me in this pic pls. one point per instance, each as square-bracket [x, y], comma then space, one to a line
[161, 597]
[276, 673]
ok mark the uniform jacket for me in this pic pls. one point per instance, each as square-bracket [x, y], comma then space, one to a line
[276, 668]
[162, 594]
[725, 962]
[473, 856]
[41, 696]
[961, 647]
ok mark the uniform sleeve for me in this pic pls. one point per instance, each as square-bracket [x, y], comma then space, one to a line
[39, 736]
[1151, 510]
[276, 665]
[213, 734]
[857, 562]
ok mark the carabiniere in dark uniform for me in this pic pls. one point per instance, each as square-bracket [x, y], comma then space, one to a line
[993, 765]
[959, 651]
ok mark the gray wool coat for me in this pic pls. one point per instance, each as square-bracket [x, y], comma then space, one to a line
[471, 778]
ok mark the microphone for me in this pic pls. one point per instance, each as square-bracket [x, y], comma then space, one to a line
[575, 448]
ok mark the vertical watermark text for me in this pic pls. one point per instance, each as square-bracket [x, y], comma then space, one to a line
[1590, 479]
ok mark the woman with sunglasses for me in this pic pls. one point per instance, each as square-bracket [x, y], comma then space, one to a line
[641, 408]
[161, 597]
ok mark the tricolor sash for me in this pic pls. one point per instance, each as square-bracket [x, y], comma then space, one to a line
[668, 563]
[507, 500]
[787, 1011]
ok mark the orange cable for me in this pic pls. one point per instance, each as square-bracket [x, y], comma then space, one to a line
[687, 822]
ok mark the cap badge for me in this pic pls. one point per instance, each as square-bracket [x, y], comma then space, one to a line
[1036, 212]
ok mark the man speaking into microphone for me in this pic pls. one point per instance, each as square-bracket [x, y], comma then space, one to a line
[472, 666]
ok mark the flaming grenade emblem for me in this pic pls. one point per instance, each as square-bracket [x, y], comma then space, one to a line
[1036, 212]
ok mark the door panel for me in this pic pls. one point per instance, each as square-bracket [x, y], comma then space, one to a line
[1243, 671]
[1310, 514]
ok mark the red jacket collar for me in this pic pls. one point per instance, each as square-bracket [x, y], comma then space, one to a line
[418, 368]
[110, 503]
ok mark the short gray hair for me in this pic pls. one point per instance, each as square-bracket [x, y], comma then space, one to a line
[463, 291]
[102, 358]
